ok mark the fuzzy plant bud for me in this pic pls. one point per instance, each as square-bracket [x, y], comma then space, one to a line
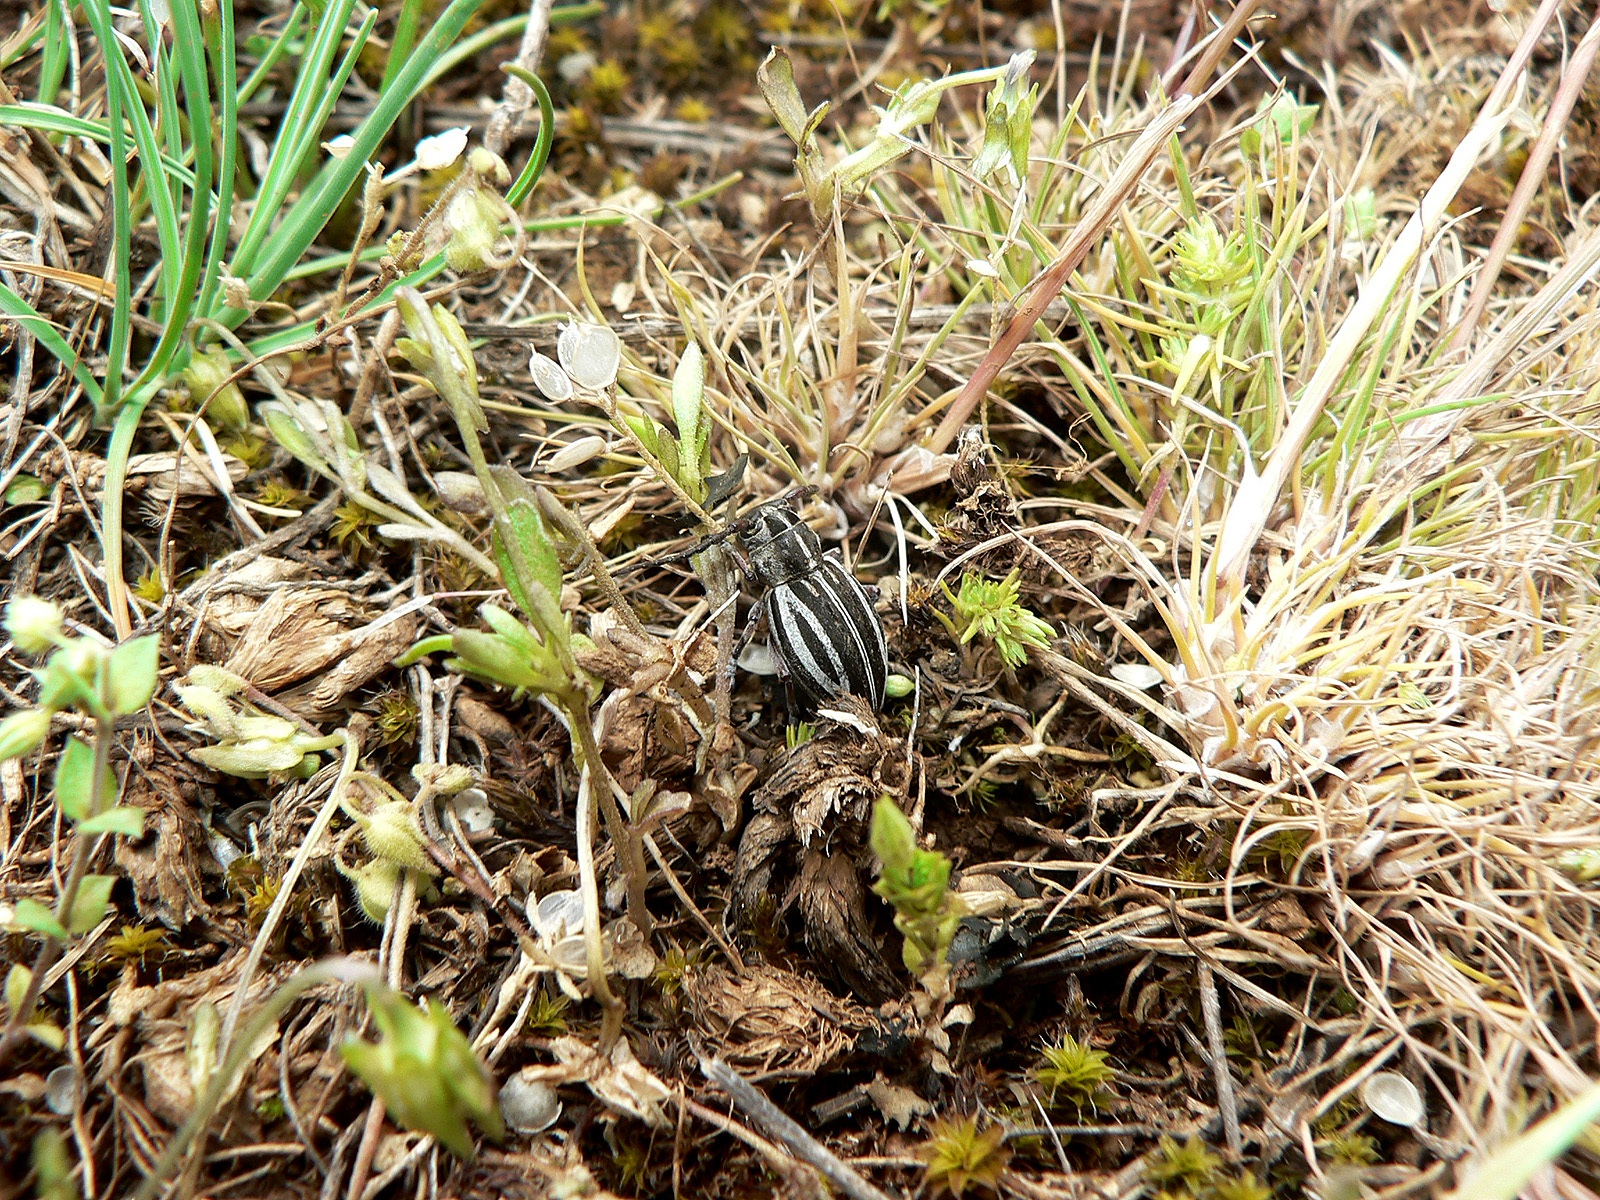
[446, 779]
[68, 679]
[207, 380]
[209, 705]
[392, 833]
[374, 886]
[33, 623]
[590, 355]
[473, 218]
[424, 1070]
[486, 164]
[23, 731]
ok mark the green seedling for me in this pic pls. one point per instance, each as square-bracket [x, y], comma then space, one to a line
[1188, 1165]
[1073, 1071]
[102, 683]
[959, 1155]
[424, 1069]
[916, 883]
[992, 609]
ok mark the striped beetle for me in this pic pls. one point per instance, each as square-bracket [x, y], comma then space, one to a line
[822, 626]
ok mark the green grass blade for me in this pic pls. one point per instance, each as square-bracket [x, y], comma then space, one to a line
[275, 52]
[189, 53]
[224, 68]
[403, 42]
[541, 147]
[27, 115]
[39, 326]
[121, 84]
[296, 135]
[53, 66]
[316, 204]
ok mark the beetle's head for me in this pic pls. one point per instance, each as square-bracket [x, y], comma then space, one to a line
[781, 546]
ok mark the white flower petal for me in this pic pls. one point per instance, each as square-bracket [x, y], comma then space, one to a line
[439, 151]
[550, 379]
[590, 354]
[1394, 1098]
[1136, 674]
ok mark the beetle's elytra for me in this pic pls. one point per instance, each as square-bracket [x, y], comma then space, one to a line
[821, 622]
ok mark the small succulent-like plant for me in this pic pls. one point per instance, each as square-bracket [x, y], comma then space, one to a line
[992, 609]
[959, 1155]
[1188, 1165]
[425, 1070]
[1073, 1071]
[916, 882]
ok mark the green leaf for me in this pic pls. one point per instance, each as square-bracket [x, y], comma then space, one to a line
[17, 981]
[671, 459]
[131, 675]
[23, 731]
[122, 819]
[688, 400]
[89, 906]
[425, 1070]
[491, 657]
[523, 521]
[892, 838]
[646, 431]
[285, 428]
[1502, 1175]
[47, 1033]
[26, 489]
[75, 779]
[35, 916]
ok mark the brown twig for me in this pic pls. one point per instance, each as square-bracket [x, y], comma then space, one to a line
[783, 1129]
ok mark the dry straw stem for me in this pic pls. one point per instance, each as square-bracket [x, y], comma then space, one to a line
[1096, 220]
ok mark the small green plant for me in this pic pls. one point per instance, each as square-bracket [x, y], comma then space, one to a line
[991, 609]
[1188, 1166]
[674, 968]
[397, 718]
[1243, 1187]
[424, 1069]
[1074, 1071]
[1358, 1148]
[102, 683]
[632, 1161]
[135, 943]
[959, 1156]
[798, 734]
[548, 1013]
[916, 883]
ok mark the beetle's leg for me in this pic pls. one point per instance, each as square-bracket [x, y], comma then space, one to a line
[757, 614]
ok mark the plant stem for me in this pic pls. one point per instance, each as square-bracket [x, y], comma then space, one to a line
[344, 970]
[622, 833]
[104, 731]
[589, 885]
